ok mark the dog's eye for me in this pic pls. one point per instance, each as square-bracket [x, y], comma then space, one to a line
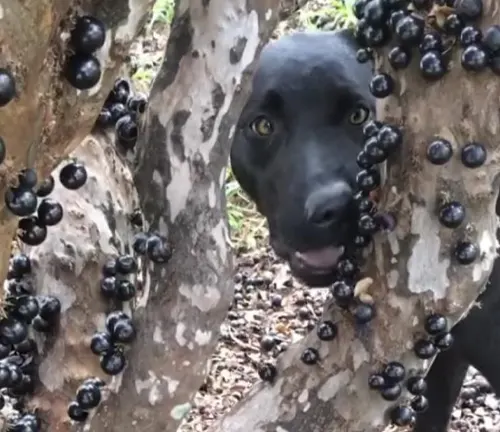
[262, 126]
[359, 115]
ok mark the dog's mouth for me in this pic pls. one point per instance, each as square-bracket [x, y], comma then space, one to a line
[315, 267]
[319, 261]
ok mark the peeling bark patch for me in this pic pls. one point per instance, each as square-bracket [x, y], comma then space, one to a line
[207, 124]
[333, 384]
[426, 271]
[179, 334]
[203, 337]
[159, 167]
[179, 44]
[204, 298]
[236, 52]
[179, 119]
[487, 247]
[179, 411]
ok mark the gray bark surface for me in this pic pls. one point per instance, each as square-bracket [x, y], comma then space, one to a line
[412, 269]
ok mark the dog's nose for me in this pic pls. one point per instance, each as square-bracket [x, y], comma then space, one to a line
[329, 203]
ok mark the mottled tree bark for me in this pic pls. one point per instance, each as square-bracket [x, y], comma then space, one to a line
[179, 175]
[49, 118]
[413, 269]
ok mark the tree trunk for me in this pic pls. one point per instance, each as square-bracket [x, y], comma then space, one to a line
[48, 117]
[413, 268]
[179, 179]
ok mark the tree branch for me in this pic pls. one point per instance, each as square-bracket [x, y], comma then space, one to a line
[413, 268]
[182, 153]
[34, 37]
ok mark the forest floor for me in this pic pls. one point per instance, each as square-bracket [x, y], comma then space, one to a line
[271, 310]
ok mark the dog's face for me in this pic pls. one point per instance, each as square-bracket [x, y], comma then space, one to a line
[295, 147]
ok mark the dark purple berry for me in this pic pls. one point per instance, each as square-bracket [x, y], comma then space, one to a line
[46, 187]
[76, 413]
[50, 212]
[431, 42]
[473, 155]
[371, 128]
[391, 393]
[444, 341]
[21, 265]
[342, 292]
[367, 225]
[109, 267]
[364, 55]
[41, 325]
[123, 331]
[474, 58]
[389, 138]
[50, 307]
[452, 214]
[125, 290]
[31, 231]
[470, 35]
[7, 87]
[126, 132]
[394, 372]
[327, 331]
[88, 35]
[88, 396]
[310, 356]
[363, 313]
[466, 252]
[139, 243]
[21, 202]
[83, 71]
[435, 324]
[468, 10]
[439, 151]
[401, 415]
[416, 385]
[410, 30]
[137, 103]
[113, 317]
[432, 66]
[73, 176]
[453, 25]
[267, 372]
[108, 286]
[113, 362]
[382, 85]
[368, 180]
[399, 57]
[376, 381]
[101, 343]
[126, 264]
[158, 250]
[27, 178]
[420, 404]
[424, 349]
[491, 39]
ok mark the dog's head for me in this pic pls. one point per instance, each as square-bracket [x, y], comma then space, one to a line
[295, 147]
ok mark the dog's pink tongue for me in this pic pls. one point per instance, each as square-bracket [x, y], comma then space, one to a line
[321, 258]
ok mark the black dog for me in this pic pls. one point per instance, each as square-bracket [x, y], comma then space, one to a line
[294, 153]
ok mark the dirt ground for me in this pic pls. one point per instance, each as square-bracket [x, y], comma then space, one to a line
[271, 310]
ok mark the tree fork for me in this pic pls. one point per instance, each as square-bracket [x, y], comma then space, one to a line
[48, 118]
[413, 269]
[179, 175]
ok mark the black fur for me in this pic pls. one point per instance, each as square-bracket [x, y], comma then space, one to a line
[302, 175]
